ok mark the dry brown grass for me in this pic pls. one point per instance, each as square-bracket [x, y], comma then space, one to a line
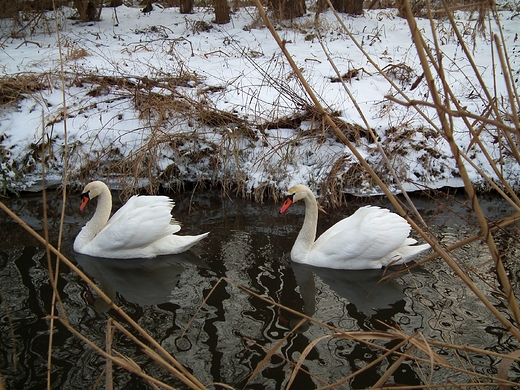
[14, 88]
[173, 108]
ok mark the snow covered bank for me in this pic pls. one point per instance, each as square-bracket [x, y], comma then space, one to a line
[164, 98]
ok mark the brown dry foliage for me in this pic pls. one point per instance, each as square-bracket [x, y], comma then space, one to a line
[14, 88]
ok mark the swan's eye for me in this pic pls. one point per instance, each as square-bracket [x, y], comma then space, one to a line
[85, 195]
[85, 198]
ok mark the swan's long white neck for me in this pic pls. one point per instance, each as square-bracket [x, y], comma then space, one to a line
[98, 220]
[307, 234]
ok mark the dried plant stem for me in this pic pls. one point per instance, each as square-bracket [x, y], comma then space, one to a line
[513, 100]
[369, 129]
[390, 371]
[65, 117]
[158, 359]
[492, 106]
[378, 68]
[191, 380]
[474, 67]
[454, 113]
[323, 112]
[416, 340]
[435, 245]
[280, 356]
[270, 353]
[468, 185]
[52, 275]
[121, 361]
[109, 338]
[387, 354]
[507, 62]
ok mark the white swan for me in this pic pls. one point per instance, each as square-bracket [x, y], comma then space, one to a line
[370, 238]
[142, 228]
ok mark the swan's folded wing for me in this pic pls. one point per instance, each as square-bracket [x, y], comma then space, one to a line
[370, 233]
[140, 222]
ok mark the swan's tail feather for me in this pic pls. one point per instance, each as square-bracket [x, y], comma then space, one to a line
[177, 244]
[174, 222]
[405, 253]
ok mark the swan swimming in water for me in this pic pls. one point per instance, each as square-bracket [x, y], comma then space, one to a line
[370, 238]
[143, 227]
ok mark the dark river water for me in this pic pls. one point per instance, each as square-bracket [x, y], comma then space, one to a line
[223, 339]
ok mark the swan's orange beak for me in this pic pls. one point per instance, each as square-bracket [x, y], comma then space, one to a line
[84, 201]
[287, 202]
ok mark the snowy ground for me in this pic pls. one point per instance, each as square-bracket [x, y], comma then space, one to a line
[166, 98]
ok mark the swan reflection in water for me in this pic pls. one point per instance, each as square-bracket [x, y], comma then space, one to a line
[363, 289]
[140, 281]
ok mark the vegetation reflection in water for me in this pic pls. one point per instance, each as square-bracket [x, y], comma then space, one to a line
[227, 336]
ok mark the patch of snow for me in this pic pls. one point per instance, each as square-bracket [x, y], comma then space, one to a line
[114, 71]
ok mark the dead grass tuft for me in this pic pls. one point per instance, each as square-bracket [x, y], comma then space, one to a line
[73, 51]
[15, 88]
[319, 126]
[401, 73]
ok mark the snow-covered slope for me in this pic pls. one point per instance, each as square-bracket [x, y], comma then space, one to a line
[165, 98]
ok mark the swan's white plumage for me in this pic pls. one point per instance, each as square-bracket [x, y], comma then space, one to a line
[142, 228]
[370, 238]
